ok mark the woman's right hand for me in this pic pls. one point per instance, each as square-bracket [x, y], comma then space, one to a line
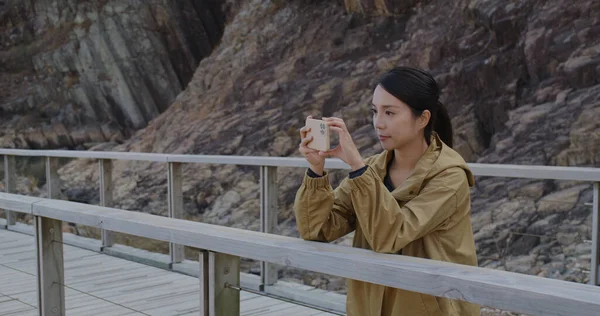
[316, 161]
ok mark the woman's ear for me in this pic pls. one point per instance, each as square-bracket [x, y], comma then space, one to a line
[424, 119]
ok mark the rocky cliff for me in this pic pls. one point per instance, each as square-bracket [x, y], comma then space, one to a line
[520, 79]
[75, 73]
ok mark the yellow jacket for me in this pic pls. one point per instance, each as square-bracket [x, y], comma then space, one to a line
[428, 216]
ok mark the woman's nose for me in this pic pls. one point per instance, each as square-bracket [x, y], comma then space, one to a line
[378, 123]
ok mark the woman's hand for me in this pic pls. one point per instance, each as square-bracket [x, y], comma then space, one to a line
[316, 160]
[346, 150]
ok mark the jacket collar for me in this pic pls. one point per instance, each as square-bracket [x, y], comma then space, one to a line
[414, 183]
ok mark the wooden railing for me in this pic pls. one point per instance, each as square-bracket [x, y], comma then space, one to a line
[223, 247]
[268, 188]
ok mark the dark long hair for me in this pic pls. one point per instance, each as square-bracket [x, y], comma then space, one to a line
[420, 92]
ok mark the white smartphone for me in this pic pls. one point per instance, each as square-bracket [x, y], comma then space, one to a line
[321, 134]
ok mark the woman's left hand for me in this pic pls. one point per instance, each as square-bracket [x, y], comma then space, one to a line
[346, 150]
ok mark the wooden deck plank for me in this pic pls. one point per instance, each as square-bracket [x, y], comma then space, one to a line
[190, 313]
[98, 284]
[4, 298]
[124, 281]
[96, 266]
[262, 302]
[292, 310]
[141, 298]
[177, 305]
[98, 307]
[18, 286]
[123, 292]
[266, 308]
[27, 297]
[277, 307]
[29, 312]
[102, 274]
[9, 242]
[18, 283]
[18, 257]
[13, 306]
[28, 266]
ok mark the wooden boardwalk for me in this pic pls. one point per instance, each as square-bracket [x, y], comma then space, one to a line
[98, 284]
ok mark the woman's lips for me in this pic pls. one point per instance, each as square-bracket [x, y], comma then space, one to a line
[383, 137]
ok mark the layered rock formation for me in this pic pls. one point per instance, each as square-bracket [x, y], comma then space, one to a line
[79, 72]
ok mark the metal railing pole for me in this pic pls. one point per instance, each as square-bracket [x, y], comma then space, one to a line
[10, 184]
[106, 197]
[268, 217]
[595, 264]
[175, 201]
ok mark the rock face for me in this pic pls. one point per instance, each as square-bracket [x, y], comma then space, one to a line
[519, 78]
[380, 7]
[94, 71]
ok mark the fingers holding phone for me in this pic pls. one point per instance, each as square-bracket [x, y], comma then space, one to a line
[311, 143]
[305, 140]
[346, 150]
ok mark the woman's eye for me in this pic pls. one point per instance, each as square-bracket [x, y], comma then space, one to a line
[388, 113]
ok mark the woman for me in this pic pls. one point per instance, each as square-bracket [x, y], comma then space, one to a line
[411, 199]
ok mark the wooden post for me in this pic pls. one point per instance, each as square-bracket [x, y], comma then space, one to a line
[50, 266]
[595, 264]
[10, 183]
[176, 251]
[217, 272]
[106, 197]
[268, 217]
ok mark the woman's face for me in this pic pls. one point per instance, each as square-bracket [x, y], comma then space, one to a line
[394, 122]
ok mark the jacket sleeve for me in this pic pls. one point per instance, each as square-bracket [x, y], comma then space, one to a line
[388, 227]
[323, 214]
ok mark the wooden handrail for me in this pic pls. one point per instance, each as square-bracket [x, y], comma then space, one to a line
[268, 190]
[506, 290]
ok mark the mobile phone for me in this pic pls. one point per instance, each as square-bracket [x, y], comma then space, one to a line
[321, 134]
